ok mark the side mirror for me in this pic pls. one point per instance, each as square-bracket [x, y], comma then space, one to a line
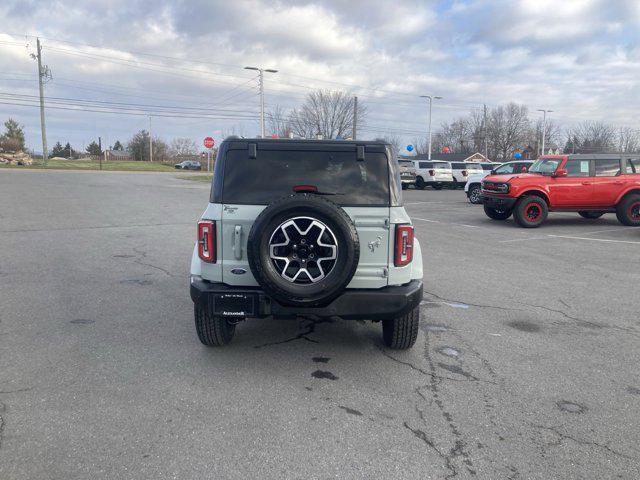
[493, 172]
[561, 172]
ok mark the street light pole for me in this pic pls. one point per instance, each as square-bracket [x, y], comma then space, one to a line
[431, 99]
[544, 125]
[261, 84]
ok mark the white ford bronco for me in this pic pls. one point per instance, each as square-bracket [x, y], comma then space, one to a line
[306, 227]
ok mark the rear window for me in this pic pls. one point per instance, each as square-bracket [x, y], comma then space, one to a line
[474, 166]
[487, 167]
[345, 180]
[633, 165]
[405, 163]
[458, 166]
[441, 165]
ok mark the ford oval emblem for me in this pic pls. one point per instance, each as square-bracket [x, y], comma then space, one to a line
[238, 271]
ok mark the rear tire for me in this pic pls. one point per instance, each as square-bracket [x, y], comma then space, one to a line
[212, 331]
[404, 186]
[628, 210]
[530, 211]
[496, 214]
[590, 214]
[420, 183]
[400, 333]
[474, 194]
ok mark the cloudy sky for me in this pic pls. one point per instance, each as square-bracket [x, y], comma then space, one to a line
[115, 62]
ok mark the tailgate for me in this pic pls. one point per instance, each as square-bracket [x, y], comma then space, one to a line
[372, 224]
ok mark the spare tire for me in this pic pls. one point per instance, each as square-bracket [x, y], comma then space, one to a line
[303, 250]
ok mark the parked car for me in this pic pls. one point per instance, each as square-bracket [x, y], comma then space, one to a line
[434, 173]
[473, 187]
[591, 185]
[460, 171]
[407, 173]
[327, 236]
[188, 165]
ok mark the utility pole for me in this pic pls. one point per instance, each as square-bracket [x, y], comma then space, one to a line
[100, 149]
[43, 74]
[544, 125]
[431, 99]
[355, 118]
[150, 142]
[484, 122]
[261, 85]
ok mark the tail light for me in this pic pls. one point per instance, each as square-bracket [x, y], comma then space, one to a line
[464, 173]
[404, 245]
[207, 241]
[432, 172]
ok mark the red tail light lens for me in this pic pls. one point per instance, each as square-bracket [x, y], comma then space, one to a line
[404, 245]
[432, 172]
[207, 241]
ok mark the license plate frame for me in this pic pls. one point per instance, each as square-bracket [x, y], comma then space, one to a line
[234, 304]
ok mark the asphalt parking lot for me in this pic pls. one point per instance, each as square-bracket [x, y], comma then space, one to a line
[526, 365]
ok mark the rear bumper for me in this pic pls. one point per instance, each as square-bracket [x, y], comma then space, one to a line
[498, 201]
[353, 304]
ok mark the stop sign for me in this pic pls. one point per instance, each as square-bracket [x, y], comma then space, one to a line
[209, 142]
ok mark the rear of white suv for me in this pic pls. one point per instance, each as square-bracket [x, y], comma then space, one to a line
[462, 170]
[327, 236]
[433, 173]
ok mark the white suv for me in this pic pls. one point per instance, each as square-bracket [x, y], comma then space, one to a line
[434, 173]
[462, 170]
[306, 227]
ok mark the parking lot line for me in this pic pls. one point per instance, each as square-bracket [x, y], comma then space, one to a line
[593, 239]
[522, 239]
[425, 220]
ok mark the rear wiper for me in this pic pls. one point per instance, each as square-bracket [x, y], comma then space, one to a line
[312, 189]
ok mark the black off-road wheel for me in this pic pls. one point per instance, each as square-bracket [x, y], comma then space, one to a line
[401, 333]
[474, 194]
[497, 213]
[420, 183]
[591, 215]
[530, 211]
[212, 331]
[628, 210]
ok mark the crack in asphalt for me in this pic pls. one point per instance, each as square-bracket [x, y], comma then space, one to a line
[17, 390]
[2, 409]
[142, 255]
[472, 304]
[580, 321]
[448, 464]
[423, 371]
[310, 328]
[565, 436]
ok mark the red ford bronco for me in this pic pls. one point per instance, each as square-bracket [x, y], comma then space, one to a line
[591, 185]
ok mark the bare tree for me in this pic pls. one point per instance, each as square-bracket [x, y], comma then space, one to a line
[507, 129]
[183, 146]
[591, 137]
[278, 123]
[628, 140]
[326, 113]
[553, 135]
[395, 143]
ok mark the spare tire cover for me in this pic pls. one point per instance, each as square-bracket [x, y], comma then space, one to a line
[303, 250]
